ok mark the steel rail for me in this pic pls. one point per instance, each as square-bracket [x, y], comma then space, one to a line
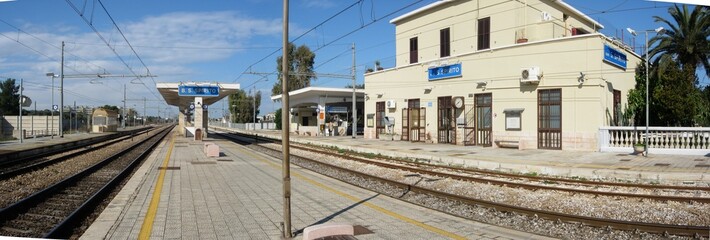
[502, 174]
[57, 149]
[32, 164]
[509, 183]
[64, 227]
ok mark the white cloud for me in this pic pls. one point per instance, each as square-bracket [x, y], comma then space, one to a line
[194, 37]
[173, 45]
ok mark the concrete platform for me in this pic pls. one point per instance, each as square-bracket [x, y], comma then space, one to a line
[29, 143]
[238, 196]
[657, 168]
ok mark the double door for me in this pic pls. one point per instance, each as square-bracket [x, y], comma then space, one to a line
[414, 122]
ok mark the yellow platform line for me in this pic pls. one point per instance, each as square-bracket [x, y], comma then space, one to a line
[147, 226]
[367, 204]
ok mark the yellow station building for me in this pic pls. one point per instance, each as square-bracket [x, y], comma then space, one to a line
[530, 74]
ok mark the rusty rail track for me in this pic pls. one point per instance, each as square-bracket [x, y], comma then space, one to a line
[431, 169]
[55, 211]
[31, 163]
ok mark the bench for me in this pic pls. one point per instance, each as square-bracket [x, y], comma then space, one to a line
[508, 143]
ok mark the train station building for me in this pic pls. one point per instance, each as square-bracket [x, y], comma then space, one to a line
[526, 74]
[319, 111]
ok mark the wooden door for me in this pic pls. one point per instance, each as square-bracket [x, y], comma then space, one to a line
[379, 118]
[446, 124]
[549, 119]
[484, 118]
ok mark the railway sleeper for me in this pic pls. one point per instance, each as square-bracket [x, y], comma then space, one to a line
[12, 231]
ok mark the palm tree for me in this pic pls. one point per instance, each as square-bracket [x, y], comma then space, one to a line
[685, 41]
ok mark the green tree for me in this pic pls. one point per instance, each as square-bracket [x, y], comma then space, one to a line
[703, 117]
[242, 106]
[300, 69]
[277, 119]
[112, 108]
[9, 97]
[686, 39]
[674, 99]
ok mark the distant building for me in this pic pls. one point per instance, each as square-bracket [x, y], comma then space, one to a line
[528, 74]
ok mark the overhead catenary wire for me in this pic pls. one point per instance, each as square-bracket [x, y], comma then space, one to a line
[344, 35]
[50, 44]
[113, 49]
[299, 37]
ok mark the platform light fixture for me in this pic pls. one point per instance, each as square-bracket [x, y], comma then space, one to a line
[659, 31]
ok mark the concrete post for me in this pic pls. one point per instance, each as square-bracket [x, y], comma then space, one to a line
[199, 118]
[181, 123]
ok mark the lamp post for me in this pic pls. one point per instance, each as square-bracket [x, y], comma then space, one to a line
[658, 30]
[254, 107]
[61, 96]
[51, 74]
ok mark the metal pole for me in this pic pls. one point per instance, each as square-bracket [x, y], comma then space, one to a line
[123, 123]
[61, 96]
[32, 121]
[144, 111]
[286, 172]
[646, 138]
[254, 107]
[20, 115]
[76, 119]
[70, 119]
[354, 126]
[52, 108]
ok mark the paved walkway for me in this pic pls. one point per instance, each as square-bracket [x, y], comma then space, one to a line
[238, 196]
[672, 169]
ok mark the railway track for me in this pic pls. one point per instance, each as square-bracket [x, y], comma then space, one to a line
[13, 168]
[18, 159]
[528, 182]
[55, 211]
[405, 189]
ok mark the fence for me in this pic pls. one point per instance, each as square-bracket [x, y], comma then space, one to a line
[246, 126]
[661, 140]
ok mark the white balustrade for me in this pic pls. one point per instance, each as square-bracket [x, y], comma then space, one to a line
[662, 140]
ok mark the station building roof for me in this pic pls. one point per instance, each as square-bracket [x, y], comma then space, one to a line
[433, 5]
[312, 94]
[169, 91]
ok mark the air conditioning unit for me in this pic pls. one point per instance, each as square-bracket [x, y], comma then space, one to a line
[530, 75]
[391, 104]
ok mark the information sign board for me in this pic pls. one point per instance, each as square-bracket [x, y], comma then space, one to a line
[614, 57]
[447, 71]
[198, 91]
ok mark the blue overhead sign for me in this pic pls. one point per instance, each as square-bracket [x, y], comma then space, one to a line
[614, 57]
[447, 71]
[198, 91]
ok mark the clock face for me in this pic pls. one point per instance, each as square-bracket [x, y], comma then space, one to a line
[458, 102]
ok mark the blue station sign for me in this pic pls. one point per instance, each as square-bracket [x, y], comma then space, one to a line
[614, 57]
[447, 71]
[198, 91]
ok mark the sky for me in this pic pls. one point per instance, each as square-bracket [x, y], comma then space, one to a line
[223, 41]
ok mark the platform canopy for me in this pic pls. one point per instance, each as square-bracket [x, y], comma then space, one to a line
[172, 94]
[315, 94]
